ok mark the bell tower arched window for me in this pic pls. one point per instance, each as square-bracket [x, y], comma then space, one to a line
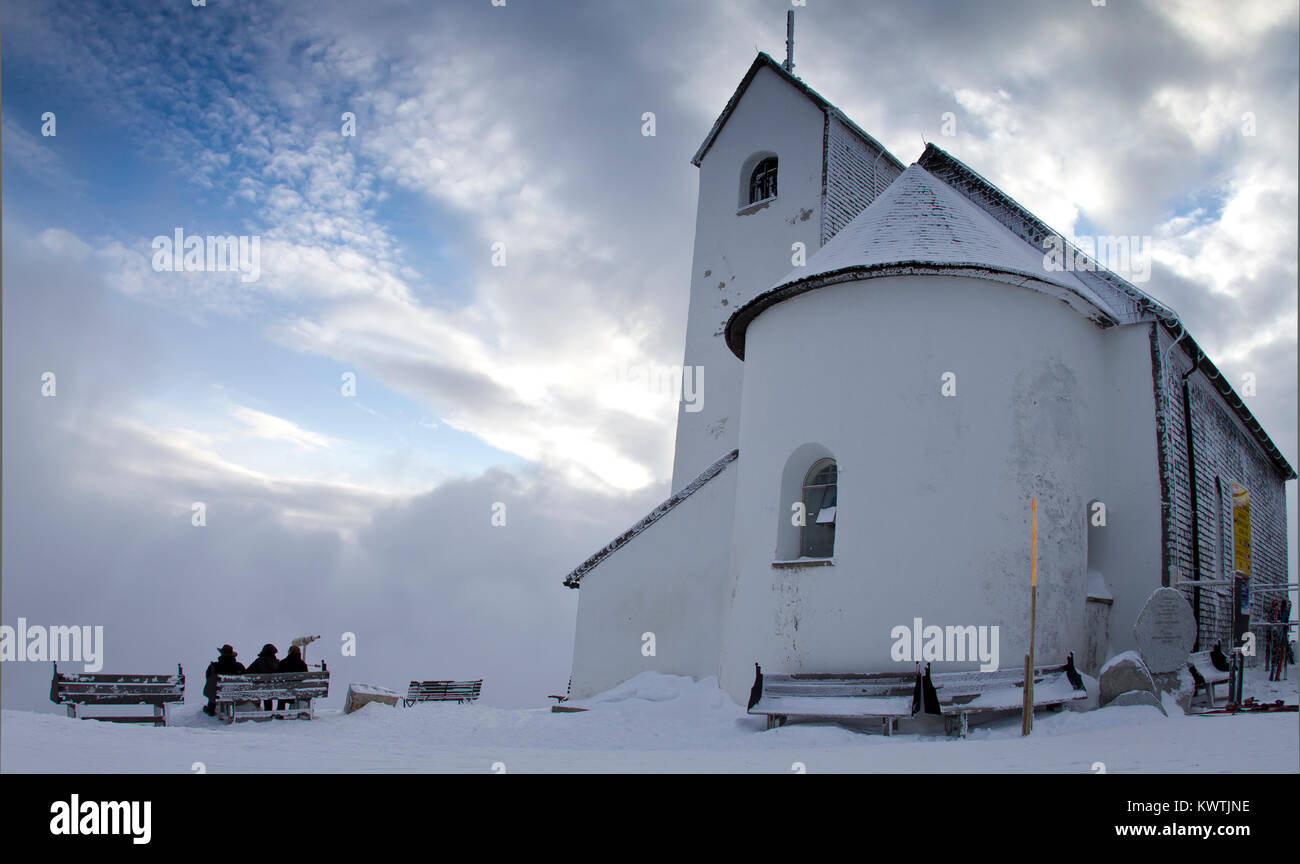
[762, 182]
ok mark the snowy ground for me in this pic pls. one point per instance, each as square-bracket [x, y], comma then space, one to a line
[655, 723]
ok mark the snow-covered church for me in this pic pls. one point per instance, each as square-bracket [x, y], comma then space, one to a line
[874, 421]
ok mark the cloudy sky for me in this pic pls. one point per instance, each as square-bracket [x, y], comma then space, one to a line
[511, 130]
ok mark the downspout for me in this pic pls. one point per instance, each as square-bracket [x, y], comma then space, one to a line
[1192, 495]
[826, 167]
[1160, 362]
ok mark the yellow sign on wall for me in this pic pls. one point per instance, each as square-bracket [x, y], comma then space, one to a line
[1240, 528]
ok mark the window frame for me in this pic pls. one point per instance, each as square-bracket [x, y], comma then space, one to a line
[766, 170]
[812, 547]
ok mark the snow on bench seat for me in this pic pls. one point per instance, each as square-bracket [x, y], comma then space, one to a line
[1205, 675]
[960, 694]
[882, 696]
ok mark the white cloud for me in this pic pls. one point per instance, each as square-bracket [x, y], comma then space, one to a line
[272, 428]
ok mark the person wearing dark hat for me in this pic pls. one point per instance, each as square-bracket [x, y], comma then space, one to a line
[292, 662]
[265, 664]
[225, 664]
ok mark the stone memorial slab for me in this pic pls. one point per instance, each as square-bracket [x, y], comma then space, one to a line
[1165, 631]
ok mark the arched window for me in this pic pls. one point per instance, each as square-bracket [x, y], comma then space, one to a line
[817, 539]
[762, 183]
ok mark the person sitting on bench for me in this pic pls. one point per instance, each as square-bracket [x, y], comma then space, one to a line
[292, 662]
[225, 664]
[265, 664]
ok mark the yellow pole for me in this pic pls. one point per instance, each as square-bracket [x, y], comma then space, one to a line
[1027, 714]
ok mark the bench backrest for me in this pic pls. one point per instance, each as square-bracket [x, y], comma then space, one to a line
[835, 686]
[955, 688]
[103, 688]
[277, 685]
[444, 691]
[1203, 667]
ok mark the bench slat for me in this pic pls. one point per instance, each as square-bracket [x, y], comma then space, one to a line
[91, 689]
[104, 678]
[1053, 690]
[240, 697]
[72, 689]
[837, 696]
[122, 699]
[1206, 669]
[448, 690]
[287, 713]
[443, 691]
[275, 678]
[271, 693]
[842, 708]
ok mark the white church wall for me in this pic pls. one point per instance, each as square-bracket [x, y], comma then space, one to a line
[741, 252]
[933, 510]
[668, 580]
[1126, 550]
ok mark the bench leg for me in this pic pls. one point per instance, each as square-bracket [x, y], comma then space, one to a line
[888, 726]
[160, 715]
[964, 726]
[72, 710]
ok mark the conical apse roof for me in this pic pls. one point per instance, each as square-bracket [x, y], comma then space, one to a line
[920, 225]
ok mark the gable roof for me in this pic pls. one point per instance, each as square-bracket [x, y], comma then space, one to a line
[763, 60]
[574, 579]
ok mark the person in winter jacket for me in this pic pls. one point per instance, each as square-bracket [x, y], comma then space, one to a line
[265, 664]
[225, 664]
[292, 662]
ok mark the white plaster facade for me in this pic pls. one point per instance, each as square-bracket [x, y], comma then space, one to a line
[1057, 397]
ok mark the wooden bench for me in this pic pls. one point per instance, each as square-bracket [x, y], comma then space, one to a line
[97, 688]
[241, 697]
[957, 695]
[1205, 675]
[442, 691]
[884, 696]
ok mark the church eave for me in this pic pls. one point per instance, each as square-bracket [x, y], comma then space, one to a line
[574, 579]
[1220, 383]
[739, 322]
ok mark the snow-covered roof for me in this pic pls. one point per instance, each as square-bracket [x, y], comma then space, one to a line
[942, 216]
[1128, 303]
[764, 60]
[574, 579]
[922, 225]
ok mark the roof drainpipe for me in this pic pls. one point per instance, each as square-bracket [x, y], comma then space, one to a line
[1160, 363]
[1196, 510]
